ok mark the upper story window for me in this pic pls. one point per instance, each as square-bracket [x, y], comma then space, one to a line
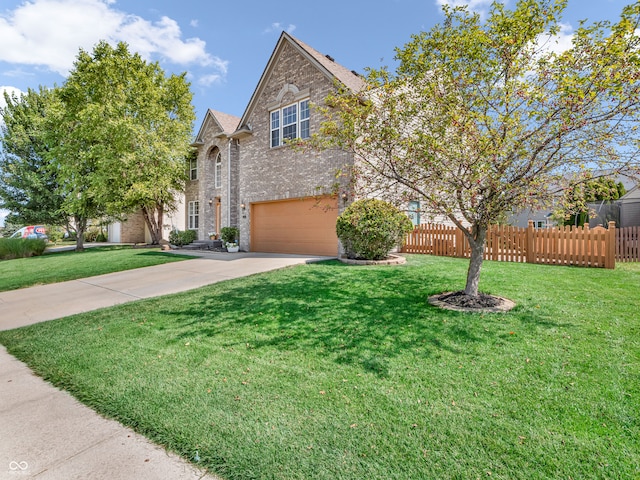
[193, 168]
[289, 122]
[217, 172]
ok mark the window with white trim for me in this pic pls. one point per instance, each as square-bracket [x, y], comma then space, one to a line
[193, 168]
[414, 212]
[193, 215]
[289, 122]
[217, 172]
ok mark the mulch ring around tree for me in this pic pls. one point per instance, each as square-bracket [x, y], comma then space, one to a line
[461, 302]
[390, 260]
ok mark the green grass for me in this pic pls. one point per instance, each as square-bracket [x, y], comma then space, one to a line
[327, 371]
[62, 266]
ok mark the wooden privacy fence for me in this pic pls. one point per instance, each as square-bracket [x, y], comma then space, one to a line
[628, 244]
[579, 246]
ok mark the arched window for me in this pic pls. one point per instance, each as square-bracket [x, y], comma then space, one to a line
[217, 174]
[216, 158]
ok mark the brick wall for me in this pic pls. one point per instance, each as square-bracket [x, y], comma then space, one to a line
[132, 230]
[280, 173]
[203, 189]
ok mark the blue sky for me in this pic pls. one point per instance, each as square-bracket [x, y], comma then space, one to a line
[223, 46]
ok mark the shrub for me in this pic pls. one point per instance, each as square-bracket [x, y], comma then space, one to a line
[11, 248]
[229, 234]
[369, 229]
[180, 238]
[95, 234]
[55, 233]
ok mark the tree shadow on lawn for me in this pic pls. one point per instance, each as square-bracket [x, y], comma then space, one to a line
[365, 318]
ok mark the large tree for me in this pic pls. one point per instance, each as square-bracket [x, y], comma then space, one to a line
[28, 187]
[482, 117]
[123, 130]
[575, 209]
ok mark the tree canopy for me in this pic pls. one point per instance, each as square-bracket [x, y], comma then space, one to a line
[28, 188]
[110, 141]
[575, 207]
[482, 117]
[121, 132]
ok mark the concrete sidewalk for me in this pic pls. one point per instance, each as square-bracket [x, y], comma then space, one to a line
[44, 432]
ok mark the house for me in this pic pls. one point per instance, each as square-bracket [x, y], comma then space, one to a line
[135, 230]
[541, 218]
[282, 198]
[630, 208]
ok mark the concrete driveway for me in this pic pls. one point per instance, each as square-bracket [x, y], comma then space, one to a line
[47, 302]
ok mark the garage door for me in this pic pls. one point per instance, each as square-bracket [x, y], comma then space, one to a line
[304, 226]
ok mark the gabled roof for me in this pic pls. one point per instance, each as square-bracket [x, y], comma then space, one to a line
[347, 77]
[324, 63]
[632, 194]
[225, 122]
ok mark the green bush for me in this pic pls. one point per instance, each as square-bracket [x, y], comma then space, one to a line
[369, 229]
[11, 248]
[180, 238]
[229, 234]
[55, 233]
[94, 234]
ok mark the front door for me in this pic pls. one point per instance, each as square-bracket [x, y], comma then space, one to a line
[218, 214]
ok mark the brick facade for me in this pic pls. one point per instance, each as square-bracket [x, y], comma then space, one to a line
[252, 170]
[132, 230]
[283, 172]
[212, 141]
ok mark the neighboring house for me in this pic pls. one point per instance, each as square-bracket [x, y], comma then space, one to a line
[282, 198]
[541, 219]
[625, 211]
[630, 208]
[134, 228]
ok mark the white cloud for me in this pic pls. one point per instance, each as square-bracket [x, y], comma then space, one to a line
[208, 80]
[278, 27]
[557, 43]
[11, 91]
[50, 33]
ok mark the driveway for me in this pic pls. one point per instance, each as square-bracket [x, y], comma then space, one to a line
[47, 302]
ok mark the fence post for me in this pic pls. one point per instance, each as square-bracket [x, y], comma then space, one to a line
[610, 247]
[529, 245]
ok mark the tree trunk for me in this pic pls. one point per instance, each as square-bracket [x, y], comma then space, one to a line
[153, 219]
[81, 228]
[477, 241]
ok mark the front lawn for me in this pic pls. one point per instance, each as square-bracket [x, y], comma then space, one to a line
[62, 266]
[328, 371]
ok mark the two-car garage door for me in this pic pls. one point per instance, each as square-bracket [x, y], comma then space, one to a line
[303, 226]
